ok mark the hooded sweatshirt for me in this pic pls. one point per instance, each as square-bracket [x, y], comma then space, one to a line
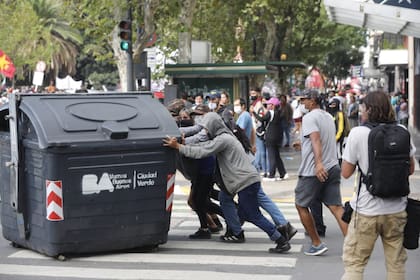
[235, 167]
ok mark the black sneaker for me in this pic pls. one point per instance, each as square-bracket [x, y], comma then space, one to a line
[215, 229]
[229, 237]
[282, 246]
[201, 234]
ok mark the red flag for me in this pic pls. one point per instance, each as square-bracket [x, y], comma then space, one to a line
[6, 65]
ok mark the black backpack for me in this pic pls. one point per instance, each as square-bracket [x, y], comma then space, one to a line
[241, 136]
[389, 160]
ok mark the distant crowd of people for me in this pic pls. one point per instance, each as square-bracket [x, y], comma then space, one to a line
[235, 147]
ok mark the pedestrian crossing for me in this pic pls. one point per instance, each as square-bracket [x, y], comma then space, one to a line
[179, 258]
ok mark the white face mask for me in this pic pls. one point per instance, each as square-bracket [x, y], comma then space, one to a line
[237, 109]
[303, 109]
[212, 106]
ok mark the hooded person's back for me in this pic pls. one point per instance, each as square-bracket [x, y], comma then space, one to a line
[235, 167]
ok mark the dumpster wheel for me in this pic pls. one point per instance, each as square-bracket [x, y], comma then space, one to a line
[15, 245]
[61, 258]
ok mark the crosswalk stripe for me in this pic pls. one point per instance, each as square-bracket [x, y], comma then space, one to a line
[163, 257]
[287, 213]
[185, 259]
[217, 245]
[246, 226]
[128, 274]
[248, 234]
[182, 204]
[193, 215]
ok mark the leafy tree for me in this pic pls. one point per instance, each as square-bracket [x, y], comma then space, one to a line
[344, 54]
[264, 30]
[20, 34]
[297, 30]
[40, 32]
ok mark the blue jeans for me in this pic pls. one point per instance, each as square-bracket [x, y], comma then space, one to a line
[230, 212]
[249, 210]
[268, 205]
[286, 131]
[260, 161]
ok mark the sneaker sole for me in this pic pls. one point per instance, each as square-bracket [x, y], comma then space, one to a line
[281, 250]
[317, 253]
[232, 241]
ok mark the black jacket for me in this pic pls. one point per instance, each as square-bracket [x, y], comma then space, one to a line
[274, 129]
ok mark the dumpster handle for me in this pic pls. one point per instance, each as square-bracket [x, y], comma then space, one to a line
[14, 162]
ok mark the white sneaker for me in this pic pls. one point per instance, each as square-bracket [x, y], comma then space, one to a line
[269, 179]
[286, 176]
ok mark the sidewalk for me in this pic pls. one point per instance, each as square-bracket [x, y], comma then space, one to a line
[283, 191]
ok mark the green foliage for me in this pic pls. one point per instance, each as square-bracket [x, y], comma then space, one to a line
[41, 29]
[96, 73]
[25, 41]
[343, 51]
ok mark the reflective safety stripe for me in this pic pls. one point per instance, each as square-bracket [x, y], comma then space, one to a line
[170, 187]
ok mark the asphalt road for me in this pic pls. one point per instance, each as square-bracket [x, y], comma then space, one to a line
[181, 258]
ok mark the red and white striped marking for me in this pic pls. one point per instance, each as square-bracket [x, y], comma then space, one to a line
[170, 187]
[54, 200]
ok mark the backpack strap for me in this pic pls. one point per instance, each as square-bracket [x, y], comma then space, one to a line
[365, 177]
[358, 192]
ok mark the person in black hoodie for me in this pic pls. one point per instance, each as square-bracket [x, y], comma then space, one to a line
[273, 138]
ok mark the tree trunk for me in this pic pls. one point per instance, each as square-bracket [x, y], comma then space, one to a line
[148, 7]
[121, 58]
[270, 39]
[186, 17]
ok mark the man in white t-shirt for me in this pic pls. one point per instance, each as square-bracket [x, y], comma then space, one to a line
[373, 216]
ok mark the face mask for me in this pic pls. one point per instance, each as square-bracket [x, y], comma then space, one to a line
[212, 106]
[237, 109]
[185, 123]
[303, 109]
[253, 98]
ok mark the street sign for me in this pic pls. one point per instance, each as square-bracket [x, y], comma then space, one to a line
[40, 66]
[38, 78]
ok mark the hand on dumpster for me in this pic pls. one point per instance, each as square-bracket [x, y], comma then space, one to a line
[171, 142]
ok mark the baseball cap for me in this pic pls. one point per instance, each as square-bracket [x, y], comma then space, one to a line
[214, 94]
[312, 94]
[274, 100]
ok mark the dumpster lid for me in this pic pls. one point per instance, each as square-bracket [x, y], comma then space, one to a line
[62, 119]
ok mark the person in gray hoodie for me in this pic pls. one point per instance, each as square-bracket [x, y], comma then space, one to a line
[237, 172]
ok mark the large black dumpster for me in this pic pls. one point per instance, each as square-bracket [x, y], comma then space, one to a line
[86, 173]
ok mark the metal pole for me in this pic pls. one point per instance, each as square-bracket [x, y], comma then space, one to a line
[130, 75]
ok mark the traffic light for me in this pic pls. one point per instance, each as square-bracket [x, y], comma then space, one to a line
[125, 35]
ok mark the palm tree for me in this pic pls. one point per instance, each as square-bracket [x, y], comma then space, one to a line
[62, 37]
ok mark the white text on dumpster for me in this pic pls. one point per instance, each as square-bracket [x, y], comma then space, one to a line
[117, 181]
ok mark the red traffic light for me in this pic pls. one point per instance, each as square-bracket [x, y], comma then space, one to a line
[125, 24]
[125, 34]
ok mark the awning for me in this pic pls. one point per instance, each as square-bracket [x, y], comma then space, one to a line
[393, 57]
[389, 17]
[228, 69]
